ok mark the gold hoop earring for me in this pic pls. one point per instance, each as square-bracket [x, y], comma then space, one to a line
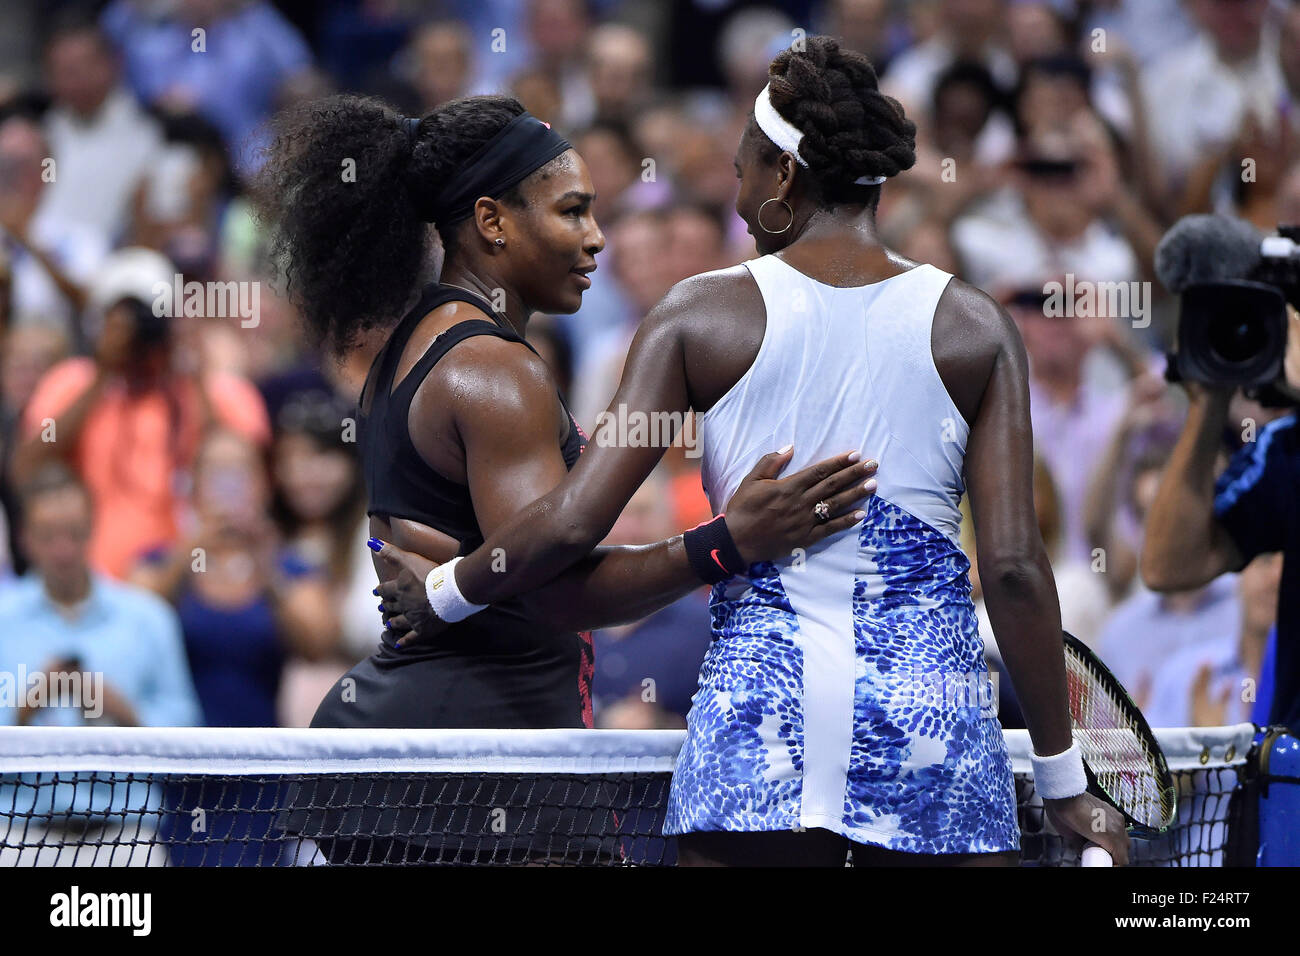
[775, 232]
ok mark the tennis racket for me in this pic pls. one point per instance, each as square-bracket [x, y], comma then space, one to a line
[1121, 756]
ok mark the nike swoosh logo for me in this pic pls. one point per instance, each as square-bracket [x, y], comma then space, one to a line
[714, 555]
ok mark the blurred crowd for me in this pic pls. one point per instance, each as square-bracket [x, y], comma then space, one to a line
[201, 472]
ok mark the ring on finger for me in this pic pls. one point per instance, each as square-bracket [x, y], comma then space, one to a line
[823, 511]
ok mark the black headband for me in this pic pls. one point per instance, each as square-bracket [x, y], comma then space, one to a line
[522, 146]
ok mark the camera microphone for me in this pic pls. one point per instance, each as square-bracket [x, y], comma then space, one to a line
[1206, 248]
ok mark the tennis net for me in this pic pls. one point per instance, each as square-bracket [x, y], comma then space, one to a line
[287, 797]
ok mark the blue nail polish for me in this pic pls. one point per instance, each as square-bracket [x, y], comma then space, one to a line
[375, 592]
[381, 607]
[374, 544]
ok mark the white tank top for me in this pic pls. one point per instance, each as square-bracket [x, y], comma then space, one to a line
[842, 369]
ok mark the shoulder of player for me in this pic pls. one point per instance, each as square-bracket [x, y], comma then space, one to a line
[970, 318]
[494, 374]
[698, 302]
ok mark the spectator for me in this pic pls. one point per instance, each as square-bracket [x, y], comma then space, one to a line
[1074, 415]
[653, 250]
[1225, 676]
[50, 259]
[1150, 28]
[249, 53]
[64, 616]
[863, 25]
[1037, 29]
[1199, 97]
[960, 159]
[557, 33]
[1148, 629]
[127, 421]
[436, 65]
[1051, 91]
[443, 63]
[191, 200]
[1123, 481]
[617, 169]
[103, 142]
[28, 353]
[319, 504]
[1053, 218]
[640, 270]
[970, 30]
[747, 43]
[619, 72]
[696, 241]
[244, 603]
[286, 367]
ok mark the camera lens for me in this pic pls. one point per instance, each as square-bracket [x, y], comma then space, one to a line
[1237, 340]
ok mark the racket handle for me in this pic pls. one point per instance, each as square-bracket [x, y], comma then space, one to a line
[1094, 855]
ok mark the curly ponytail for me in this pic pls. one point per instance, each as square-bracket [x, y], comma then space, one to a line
[850, 129]
[345, 194]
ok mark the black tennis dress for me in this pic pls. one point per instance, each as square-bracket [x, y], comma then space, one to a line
[496, 669]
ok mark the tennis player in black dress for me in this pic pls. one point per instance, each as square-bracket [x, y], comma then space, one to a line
[462, 425]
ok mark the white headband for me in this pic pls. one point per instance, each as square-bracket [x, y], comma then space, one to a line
[787, 138]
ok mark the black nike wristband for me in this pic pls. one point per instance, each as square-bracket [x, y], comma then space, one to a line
[712, 553]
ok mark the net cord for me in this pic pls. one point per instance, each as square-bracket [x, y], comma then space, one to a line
[263, 750]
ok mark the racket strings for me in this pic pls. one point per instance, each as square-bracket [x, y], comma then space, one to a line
[1115, 749]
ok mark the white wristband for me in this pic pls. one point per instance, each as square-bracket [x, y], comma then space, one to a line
[1060, 775]
[444, 594]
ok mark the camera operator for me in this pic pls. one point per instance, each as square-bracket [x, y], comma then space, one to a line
[129, 419]
[1200, 526]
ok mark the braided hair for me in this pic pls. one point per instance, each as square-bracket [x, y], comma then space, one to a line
[353, 249]
[850, 129]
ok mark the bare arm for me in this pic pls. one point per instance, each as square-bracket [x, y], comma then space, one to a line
[561, 517]
[508, 426]
[111, 352]
[34, 452]
[67, 286]
[1101, 504]
[1184, 546]
[1019, 590]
